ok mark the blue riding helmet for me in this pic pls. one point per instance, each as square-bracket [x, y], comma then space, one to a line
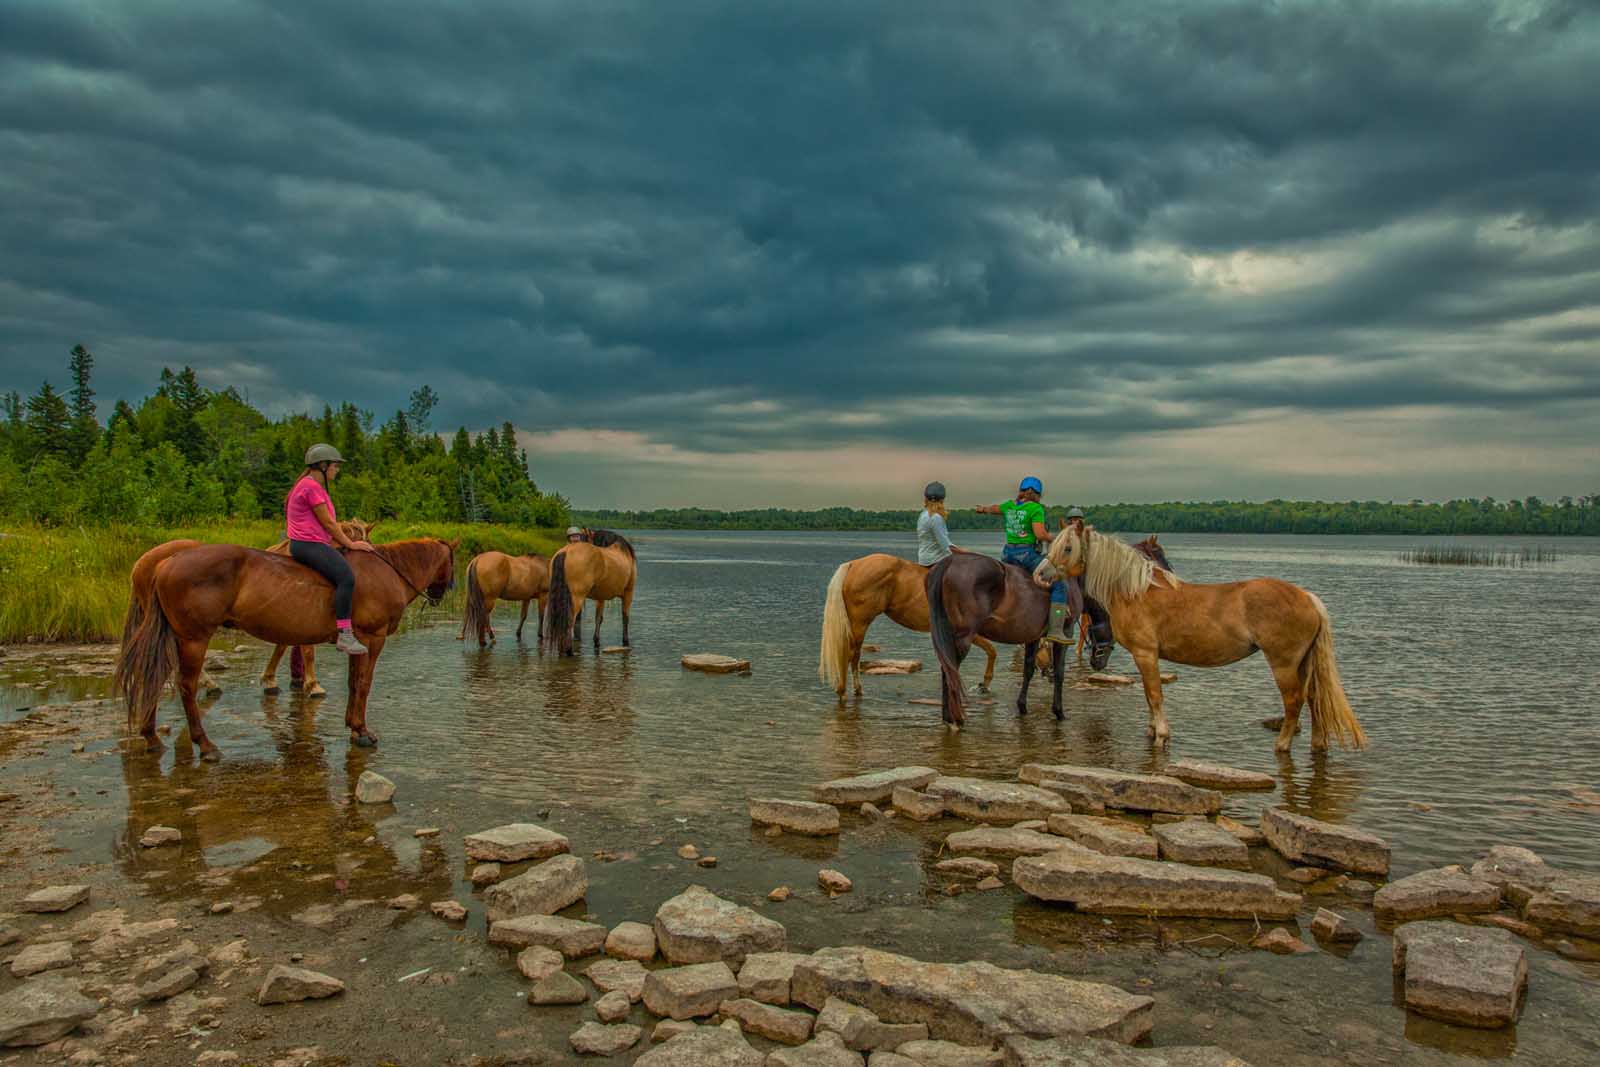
[1031, 483]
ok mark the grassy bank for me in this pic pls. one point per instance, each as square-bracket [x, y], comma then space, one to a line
[71, 584]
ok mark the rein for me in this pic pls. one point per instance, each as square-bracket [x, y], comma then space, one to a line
[376, 551]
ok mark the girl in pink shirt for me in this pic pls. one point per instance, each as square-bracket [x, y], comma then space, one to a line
[313, 530]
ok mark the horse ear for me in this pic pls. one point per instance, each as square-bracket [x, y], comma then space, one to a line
[454, 543]
[1063, 525]
[1153, 540]
[373, 525]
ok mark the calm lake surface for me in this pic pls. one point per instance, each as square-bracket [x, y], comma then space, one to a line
[1477, 687]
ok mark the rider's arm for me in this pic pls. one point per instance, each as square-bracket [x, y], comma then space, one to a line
[987, 509]
[941, 533]
[324, 517]
[1041, 532]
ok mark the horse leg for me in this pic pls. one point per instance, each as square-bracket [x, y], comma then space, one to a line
[191, 661]
[1028, 654]
[523, 618]
[312, 688]
[541, 622]
[1083, 633]
[599, 614]
[269, 677]
[988, 668]
[355, 712]
[954, 715]
[1058, 656]
[1149, 665]
[627, 611]
[1287, 675]
[852, 670]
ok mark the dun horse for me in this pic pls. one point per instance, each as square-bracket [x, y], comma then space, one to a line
[860, 591]
[1155, 616]
[600, 569]
[201, 589]
[495, 576]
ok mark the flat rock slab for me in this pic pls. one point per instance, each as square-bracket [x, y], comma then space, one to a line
[1567, 901]
[1122, 885]
[632, 941]
[923, 807]
[1092, 1052]
[1111, 836]
[157, 836]
[890, 666]
[970, 1003]
[697, 926]
[1217, 776]
[704, 1046]
[1084, 800]
[600, 1039]
[826, 1051]
[778, 1024]
[948, 1054]
[967, 867]
[1248, 834]
[619, 976]
[1434, 893]
[1334, 928]
[979, 800]
[557, 988]
[515, 842]
[765, 976]
[46, 956]
[689, 992]
[38, 1012]
[862, 1031]
[710, 663]
[876, 786]
[796, 816]
[1303, 839]
[1201, 844]
[56, 898]
[542, 890]
[570, 937]
[1467, 975]
[285, 985]
[1123, 789]
[1002, 841]
[1101, 678]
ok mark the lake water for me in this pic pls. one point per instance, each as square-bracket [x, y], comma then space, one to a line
[1477, 688]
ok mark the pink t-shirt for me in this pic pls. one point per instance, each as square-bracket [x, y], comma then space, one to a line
[302, 524]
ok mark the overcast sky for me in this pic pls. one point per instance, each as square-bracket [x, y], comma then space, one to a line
[807, 253]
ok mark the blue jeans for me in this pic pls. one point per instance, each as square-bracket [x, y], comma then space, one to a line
[1030, 557]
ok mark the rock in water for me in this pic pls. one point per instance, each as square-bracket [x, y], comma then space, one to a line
[373, 788]
[1334, 928]
[632, 941]
[704, 1046]
[56, 898]
[877, 787]
[285, 985]
[537, 962]
[765, 976]
[1122, 885]
[45, 956]
[556, 988]
[450, 911]
[688, 992]
[967, 867]
[890, 666]
[862, 1030]
[1100, 678]
[714, 664]
[995, 802]
[778, 1024]
[485, 874]
[1091, 1052]
[38, 1012]
[613, 1007]
[1247, 834]
[571, 938]
[697, 926]
[542, 890]
[1084, 800]
[1114, 837]
[922, 807]
[1281, 942]
[1002, 841]
[595, 1039]
[1560, 900]
[1202, 845]
[1430, 894]
[1467, 975]
[827, 1050]
[161, 835]
[1324, 844]
[515, 842]
[618, 976]
[1137, 792]
[971, 1003]
[1217, 776]
[950, 1054]
[796, 816]
[835, 882]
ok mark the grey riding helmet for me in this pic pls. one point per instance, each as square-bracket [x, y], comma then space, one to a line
[322, 454]
[1075, 513]
[933, 491]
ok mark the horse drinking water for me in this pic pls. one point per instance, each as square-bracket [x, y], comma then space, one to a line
[598, 569]
[493, 576]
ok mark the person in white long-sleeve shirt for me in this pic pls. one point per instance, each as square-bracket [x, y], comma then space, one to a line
[933, 536]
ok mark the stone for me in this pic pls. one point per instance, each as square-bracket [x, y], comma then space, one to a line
[557, 988]
[515, 842]
[890, 666]
[697, 926]
[618, 976]
[1114, 837]
[1307, 875]
[1102, 678]
[923, 807]
[1302, 839]
[669, 1028]
[632, 941]
[485, 874]
[1091, 1052]
[710, 663]
[765, 976]
[187, 954]
[703, 1046]
[827, 1050]
[1201, 844]
[969, 1003]
[967, 867]
[950, 1054]
[614, 1006]
[373, 788]
[450, 911]
[1217, 776]
[171, 983]
[1570, 904]
[834, 882]
[891, 1059]
[1280, 942]
[538, 962]
[1520, 872]
[161, 835]
[862, 1030]
[405, 902]
[596, 1039]
[1002, 841]
[869, 810]
[426, 831]
[1334, 928]
[1158, 818]
[1467, 975]
[1124, 885]
[1247, 834]
[796, 816]
[540, 890]
[1433, 893]
[47, 956]
[1356, 889]
[778, 1024]
[979, 800]
[1505, 922]
[1136, 792]
[285, 985]
[1084, 800]
[989, 883]
[570, 937]
[688, 852]
[688, 992]
[8, 934]
[56, 898]
[40, 1011]
[780, 894]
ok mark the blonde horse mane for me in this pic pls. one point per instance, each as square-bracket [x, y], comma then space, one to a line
[1112, 568]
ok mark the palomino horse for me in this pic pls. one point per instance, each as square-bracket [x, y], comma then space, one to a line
[1155, 616]
[495, 576]
[860, 591]
[303, 668]
[600, 569]
[201, 589]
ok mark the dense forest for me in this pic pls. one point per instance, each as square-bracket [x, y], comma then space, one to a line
[186, 453]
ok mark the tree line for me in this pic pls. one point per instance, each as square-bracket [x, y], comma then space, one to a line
[187, 453]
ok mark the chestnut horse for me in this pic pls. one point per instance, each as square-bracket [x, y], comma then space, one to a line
[1156, 616]
[860, 591]
[303, 669]
[201, 589]
[495, 576]
[599, 569]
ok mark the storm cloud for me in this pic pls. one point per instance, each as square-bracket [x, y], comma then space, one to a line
[774, 253]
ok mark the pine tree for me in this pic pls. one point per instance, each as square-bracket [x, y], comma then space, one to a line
[85, 429]
[49, 423]
[327, 424]
[16, 430]
[351, 441]
[188, 400]
[508, 445]
[420, 411]
[461, 446]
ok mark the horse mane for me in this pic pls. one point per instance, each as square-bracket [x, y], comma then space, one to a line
[1114, 568]
[606, 538]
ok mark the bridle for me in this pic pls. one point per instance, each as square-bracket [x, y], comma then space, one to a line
[401, 575]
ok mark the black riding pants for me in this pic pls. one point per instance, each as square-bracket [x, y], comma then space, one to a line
[327, 561]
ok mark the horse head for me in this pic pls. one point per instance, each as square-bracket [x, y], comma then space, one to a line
[442, 578]
[1151, 549]
[1068, 551]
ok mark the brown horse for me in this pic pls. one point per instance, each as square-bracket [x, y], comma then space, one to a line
[1156, 616]
[495, 576]
[306, 669]
[599, 569]
[201, 589]
[860, 591]
[141, 584]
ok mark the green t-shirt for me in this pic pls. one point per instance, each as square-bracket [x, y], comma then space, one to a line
[1020, 517]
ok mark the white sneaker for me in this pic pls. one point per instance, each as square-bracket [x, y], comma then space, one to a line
[349, 645]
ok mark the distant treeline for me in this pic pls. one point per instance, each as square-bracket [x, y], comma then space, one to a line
[1565, 517]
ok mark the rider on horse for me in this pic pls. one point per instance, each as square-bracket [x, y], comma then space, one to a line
[933, 536]
[1026, 533]
[313, 530]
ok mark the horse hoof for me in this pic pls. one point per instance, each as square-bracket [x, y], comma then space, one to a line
[210, 753]
[316, 693]
[271, 690]
[364, 741]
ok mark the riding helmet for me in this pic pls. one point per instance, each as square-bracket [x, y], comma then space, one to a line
[573, 530]
[1033, 483]
[933, 491]
[322, 454]
[1075, 513]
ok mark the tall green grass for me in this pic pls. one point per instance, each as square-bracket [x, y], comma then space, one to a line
[71, 583]
[1467, 556]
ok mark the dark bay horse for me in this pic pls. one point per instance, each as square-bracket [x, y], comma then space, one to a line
[600, 569]
[201, 589]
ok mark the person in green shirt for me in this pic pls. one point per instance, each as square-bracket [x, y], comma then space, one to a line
[1026, 534]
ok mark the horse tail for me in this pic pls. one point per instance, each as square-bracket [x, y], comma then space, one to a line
[1331, 714]
[475, 618]
[833, 662]
[148, 658]
[944, 636]
[134, 616]
[558, 607]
